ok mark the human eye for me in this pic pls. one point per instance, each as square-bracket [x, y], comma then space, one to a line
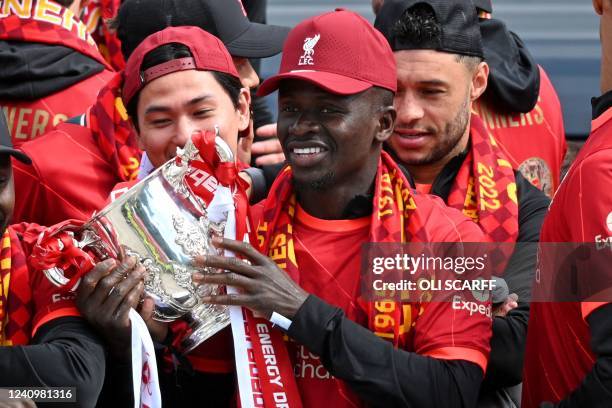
[288, 108]
[432, 91]
[4, 178]
[328, 109]
[160, 122]
[202, 112]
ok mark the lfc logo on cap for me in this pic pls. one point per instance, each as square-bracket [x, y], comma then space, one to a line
[309, 44]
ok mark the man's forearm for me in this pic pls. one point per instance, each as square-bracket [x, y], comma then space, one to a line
[380, 374]
[505, 367]
[64, 353]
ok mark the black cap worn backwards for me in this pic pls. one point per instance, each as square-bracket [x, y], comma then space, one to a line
[460, 32]
[224, 19]
[6, 146]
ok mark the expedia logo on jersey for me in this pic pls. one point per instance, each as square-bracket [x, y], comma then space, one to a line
[602, 241]
[460, 303]
[61, 297]
[309, 43]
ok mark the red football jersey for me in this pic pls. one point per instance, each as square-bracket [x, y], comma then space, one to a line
[558, 354]
[30, 119]
[534, 141]
[61, 192]
[329, 251]
[49, 23]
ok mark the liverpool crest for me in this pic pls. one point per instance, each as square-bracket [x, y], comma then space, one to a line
[309, 44]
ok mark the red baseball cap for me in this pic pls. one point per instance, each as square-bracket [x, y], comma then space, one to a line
[209, 54]
[340, 52]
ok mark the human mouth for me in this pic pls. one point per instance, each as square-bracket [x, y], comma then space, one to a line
[306, 154]
[411, 138]
[307, 150]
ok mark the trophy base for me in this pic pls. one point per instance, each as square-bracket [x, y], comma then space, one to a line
[206, 320]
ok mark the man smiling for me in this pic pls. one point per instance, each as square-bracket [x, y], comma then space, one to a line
[336, 85]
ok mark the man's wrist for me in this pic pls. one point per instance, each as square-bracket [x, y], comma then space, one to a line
[311, 324]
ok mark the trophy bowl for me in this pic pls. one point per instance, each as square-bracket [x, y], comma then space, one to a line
[165, 225]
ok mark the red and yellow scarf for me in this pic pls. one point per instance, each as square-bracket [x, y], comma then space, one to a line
[5, 280]
[95, 15]
[108, 121]
[392, 221]
[485, 187]
[16, 315]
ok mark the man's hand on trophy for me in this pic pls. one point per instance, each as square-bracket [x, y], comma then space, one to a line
[158, 330]
[265, 288]
[105, 296]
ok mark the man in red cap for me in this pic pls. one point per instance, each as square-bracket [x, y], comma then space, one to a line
[177, 82]
[51, 67]
[569, 347]
[336, 85]
[100, 148]
[43, 340]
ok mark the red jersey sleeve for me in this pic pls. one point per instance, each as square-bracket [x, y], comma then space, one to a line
[28, 190]
[445, 224]
[460, 328]
[582, 212]
[594, 220]
[552, 107]
[49, 301]
[592, 207]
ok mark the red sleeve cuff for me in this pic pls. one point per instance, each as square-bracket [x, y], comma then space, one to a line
[63, 312]
[460, 353]
[589, 307]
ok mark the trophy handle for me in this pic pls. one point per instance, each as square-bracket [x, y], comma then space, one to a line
[58, 251]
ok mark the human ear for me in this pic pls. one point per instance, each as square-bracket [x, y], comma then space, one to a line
[598, 6]
[386, 123]
[480, 78]
[243, 109]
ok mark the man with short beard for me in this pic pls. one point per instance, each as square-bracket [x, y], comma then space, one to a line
[520, 106]
[449, 153]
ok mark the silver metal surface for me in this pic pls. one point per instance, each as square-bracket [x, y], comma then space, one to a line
[165, 225]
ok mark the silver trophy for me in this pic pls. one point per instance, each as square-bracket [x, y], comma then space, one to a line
[162, 222]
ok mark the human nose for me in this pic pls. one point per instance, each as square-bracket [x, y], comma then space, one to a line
[303, 125]
[409, 109]
[185, 128]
